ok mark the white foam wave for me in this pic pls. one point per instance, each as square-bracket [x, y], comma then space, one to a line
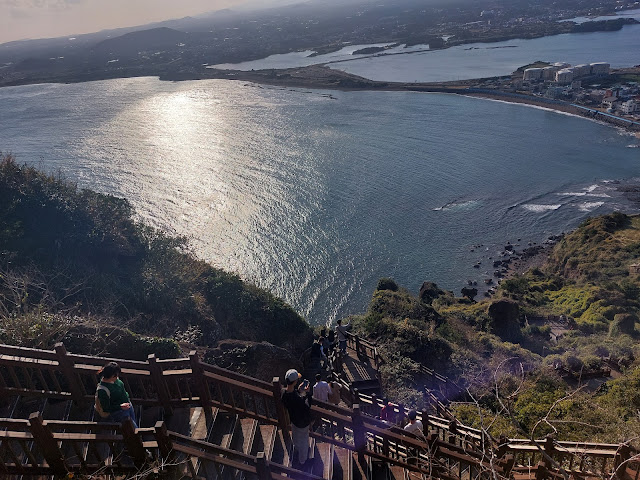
[533, 207]
[458, 205]
[583, 194]
[588, 206]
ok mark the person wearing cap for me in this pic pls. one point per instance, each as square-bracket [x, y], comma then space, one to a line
[297, 400]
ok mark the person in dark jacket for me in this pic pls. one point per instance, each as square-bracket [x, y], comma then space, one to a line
[297, 400]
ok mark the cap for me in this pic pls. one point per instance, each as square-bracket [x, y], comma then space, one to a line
[412, 414]
[292, 376]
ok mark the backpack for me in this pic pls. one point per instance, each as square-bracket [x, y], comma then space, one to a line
[98, 405]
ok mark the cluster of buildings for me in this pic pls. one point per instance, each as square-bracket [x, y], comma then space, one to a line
[564, 74]
[564, 82]
[625, 101]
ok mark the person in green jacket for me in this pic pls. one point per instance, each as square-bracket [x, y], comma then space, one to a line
[112, 400]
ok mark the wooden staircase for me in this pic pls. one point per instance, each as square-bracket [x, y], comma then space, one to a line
[203, 422]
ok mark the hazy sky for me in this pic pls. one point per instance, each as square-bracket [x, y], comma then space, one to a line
[20, 19]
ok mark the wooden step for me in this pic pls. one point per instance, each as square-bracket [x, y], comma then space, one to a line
[243, 439]
[265, 440]
[396, 472]
[360, 472]
[244, 435]
[342, 464]
[379, 470]
[281, 453]
[323, 460]
[223, 428]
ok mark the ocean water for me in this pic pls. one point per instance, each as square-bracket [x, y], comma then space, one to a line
[317, 196]
[475, 60]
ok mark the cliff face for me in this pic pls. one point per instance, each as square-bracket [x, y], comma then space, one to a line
[76, 252]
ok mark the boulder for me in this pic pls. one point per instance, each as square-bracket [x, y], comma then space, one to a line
[261, 360]
[429, 291]
[470, 293]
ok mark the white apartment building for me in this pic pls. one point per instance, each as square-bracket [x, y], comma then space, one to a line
[532, 74]
[629, 107]
[564, 76]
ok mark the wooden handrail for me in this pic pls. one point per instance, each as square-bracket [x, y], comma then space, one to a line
[34, 372]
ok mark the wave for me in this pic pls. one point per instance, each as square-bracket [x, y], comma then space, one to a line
[533, 207]
[583, 194]
[588, 206]
[458, 205]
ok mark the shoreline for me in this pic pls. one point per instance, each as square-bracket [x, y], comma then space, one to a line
[322, 77]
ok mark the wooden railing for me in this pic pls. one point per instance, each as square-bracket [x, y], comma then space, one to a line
[188, 382]
[38, 447]
[364, 349]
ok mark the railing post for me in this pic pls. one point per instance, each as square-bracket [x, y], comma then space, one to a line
[164, 442]
[622, 455]
[549, 449]
[158, 380]
[67, 368]
[541, 471]
[503, 444]
[200, 380]
[425, 423]
[375, 408]
[283, 422]
[356, 397]
[262, 467]
[48, 445]
[453, 427]
[359, 436]
[358, 346]
[508, 462]
[133, 442]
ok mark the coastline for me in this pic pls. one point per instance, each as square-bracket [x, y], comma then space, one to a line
[322, 77]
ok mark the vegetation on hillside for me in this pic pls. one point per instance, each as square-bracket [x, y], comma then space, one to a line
[72, 257]
[520, 379]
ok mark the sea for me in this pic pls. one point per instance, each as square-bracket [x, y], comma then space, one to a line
[316, 194]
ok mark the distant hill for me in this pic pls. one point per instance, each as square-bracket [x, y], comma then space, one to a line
[131, 43]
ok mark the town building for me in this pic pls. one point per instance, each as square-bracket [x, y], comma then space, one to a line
[583, 70]
[564, 76]
[611, 103]
[600, 68]
[629, 107]
[549, 73]
[532, 74]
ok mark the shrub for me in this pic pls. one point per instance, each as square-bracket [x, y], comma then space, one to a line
[386, 283]
[623, 324]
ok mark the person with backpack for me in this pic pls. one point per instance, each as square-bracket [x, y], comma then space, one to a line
[112, 401]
